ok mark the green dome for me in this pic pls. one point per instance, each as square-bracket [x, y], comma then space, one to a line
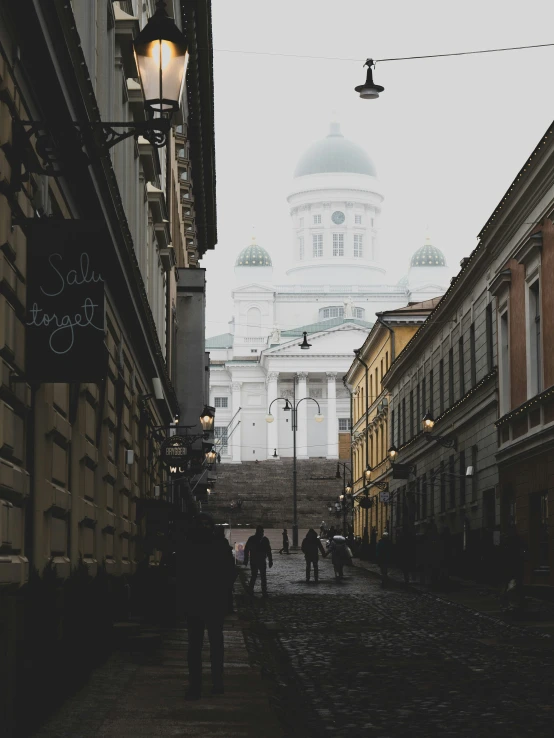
[335, 154]
[253, 256]
[428, 255]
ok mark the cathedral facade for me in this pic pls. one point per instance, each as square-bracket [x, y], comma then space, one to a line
[336, 287]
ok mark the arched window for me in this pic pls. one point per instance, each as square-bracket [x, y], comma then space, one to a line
[254, 322]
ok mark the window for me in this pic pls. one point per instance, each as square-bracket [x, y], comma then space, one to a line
[358, 245]
[504, 364]
[338, 244]
[473, 363]
[418, 398]
[404, 420]
[451, 377]
[392, 427]
[254, 322]
[183, 175]
[344, 425]
[488, 329]
[301, 248]
[441, 387]
[181, 153]
[462, 478]
[301, 222]
[221, 402]
[359, 313]
[317, 242]
[461, 367]
[357, 219]
[443, 488]
[417, 501]
[317, 219]
[423, 397]
[535, 361]
[451, 473]
[411, 413]
[474, 477]
[253, 351]
[387, 360]
[431, 392]
[220, 435]
[331, 312]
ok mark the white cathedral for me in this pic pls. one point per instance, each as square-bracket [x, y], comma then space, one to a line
[336, 286]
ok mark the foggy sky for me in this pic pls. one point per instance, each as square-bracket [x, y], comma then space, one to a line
[447, 136]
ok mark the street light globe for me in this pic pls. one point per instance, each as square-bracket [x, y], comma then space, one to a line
[269, 418]
[162, 56]
[393, 453]
[318, 417]
[428, 422]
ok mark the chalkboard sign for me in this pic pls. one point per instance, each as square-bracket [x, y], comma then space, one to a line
[65, 319]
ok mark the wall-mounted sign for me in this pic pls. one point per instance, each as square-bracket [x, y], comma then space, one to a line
[384, 496]
[174, 450]
[65, 319]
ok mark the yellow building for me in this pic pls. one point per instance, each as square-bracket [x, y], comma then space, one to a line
[370, 417]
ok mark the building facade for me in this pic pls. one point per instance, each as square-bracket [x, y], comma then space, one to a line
[370, 413]
[519, 240]
[77, 458]
[336, 285]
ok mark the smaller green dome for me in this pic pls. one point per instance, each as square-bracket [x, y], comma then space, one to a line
[253, 256]
[428, 255]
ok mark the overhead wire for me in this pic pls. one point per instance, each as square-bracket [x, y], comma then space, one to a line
[388, 59]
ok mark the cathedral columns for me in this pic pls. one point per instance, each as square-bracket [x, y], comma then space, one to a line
[302, 417]
[272, 428]
[235, 428]
[332, 431]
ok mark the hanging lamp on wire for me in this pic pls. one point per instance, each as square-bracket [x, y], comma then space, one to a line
[369, 90]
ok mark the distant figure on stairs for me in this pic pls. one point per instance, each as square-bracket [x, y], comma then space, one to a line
[285, 548]
[257, 549]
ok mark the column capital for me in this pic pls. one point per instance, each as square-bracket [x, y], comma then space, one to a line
[272, 376]
[331, 375]
[302, 375]
[236, 386]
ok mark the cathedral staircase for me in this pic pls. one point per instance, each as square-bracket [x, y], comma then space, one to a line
[265, 489]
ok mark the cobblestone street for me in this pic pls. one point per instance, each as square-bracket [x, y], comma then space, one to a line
[392, 662]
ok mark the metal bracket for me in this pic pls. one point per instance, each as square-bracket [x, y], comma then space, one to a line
[446, 442]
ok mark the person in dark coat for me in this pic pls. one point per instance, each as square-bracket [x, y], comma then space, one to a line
[285, 542]
[205, 573]
[407, 554]
[514, 551]
[258, 550]
[382, 557]
[311, 548]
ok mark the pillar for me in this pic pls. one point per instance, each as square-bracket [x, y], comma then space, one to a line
[273, 428]
[332, 431]
[235, 440]
[302, 419]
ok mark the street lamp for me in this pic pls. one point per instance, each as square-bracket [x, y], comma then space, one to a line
[428, 423]
[162, 56]
[318, 417]
[367, 474]
[369, 90]
[207, 418]
[210, 455]
[393, 453]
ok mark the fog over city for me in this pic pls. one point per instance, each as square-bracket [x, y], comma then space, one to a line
[447, 136]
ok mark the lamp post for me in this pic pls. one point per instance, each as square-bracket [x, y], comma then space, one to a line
[161, 54]
[428, 423]
[293, 409]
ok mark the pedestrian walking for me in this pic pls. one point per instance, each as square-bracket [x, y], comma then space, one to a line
[205, 573]
[382, 557]
[311, 547]
[407, 554]
[340, 555]
[514, 551]
[285, 542]
[258, 550]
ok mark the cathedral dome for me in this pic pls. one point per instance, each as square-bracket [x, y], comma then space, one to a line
[253, 256]
[428, 256]
[335, 154]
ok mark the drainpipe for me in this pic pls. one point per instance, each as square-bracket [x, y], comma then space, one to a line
[392, 347]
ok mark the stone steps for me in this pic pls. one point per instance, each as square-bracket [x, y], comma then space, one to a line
[265, 488]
